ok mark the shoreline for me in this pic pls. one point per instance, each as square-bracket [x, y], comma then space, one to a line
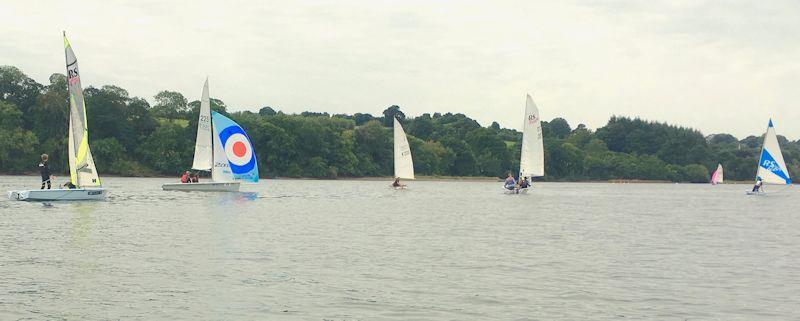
[422, 178]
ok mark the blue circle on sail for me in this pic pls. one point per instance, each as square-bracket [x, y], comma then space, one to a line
[223, 137]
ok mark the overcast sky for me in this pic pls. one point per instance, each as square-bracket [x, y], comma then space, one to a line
[718, 66]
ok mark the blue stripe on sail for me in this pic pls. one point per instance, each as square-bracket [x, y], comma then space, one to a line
[770, 122]
[227, 128]
[768, 162]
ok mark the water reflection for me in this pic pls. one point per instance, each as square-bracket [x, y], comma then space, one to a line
[237, 197]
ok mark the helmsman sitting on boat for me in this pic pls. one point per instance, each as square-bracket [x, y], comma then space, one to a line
[510, 182]
[523, 183]
[758, 185]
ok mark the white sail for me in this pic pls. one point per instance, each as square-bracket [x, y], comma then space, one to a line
[531, 162]
[771, 167]
[221, 171]
[717, 177]
[82, 169]
[403, 163]
[203, 159]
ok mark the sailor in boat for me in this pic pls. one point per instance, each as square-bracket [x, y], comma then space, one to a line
[44, 169]
[396, 183]
[196, 177]
[758, 185]
[523, 183]
[69, 185]
[185, 178]
[510, 183]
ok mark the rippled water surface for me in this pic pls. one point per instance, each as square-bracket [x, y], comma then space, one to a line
[358, 250]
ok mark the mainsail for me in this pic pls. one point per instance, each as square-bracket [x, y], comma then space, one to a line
[403, 163]
[81, 165]
[531, 162]
[234, 156]
[203, 158]
[717, 177]
[771, 167]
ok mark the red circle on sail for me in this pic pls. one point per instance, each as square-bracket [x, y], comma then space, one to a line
[239, 149]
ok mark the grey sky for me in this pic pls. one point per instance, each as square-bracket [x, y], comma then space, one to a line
[718, 66]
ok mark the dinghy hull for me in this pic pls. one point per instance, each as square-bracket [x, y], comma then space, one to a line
[202, 187]
[51, 195]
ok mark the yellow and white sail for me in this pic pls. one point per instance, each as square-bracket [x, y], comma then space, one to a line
[82, 170]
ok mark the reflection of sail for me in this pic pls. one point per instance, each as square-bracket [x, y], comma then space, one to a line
[531, 162]
[771, 167]
[83, 172]
[403, 162]
[238, 197]
[82, 224]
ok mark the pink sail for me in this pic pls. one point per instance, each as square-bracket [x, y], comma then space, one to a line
[717, 177]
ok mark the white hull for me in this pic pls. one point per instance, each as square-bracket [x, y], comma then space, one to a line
[202, 187]
[515, 191]
[80, 194]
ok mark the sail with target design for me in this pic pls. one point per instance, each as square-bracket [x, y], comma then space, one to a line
[223, 148]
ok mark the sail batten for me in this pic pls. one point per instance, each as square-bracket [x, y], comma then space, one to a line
[531, 163]
[403, 162]
[771, 166]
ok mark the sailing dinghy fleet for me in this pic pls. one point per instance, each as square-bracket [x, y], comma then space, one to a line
[223, 148]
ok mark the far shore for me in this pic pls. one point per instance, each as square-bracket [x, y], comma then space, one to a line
[421, 178]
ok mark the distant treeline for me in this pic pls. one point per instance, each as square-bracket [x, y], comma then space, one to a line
[131, 137]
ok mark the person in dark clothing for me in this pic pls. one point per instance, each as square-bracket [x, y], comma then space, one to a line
[196, 177]
[69, 185]
[44, 169]
[523, 183]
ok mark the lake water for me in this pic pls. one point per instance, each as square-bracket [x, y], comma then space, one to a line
[358, 250]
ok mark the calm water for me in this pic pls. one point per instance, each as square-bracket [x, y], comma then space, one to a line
[350, 250]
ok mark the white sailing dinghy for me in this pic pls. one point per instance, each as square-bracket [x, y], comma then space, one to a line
[717, 176]
[771, 167]
[531, 160]
[403, 162]
[223, 148]
[82, 171]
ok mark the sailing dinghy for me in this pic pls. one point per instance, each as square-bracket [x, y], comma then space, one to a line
[771, 167]
[403, 162]
[82, 171]
[223, 148]
[531, 161]
[717, 177]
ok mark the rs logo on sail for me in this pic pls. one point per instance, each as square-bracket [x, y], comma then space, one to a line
[771, 166]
